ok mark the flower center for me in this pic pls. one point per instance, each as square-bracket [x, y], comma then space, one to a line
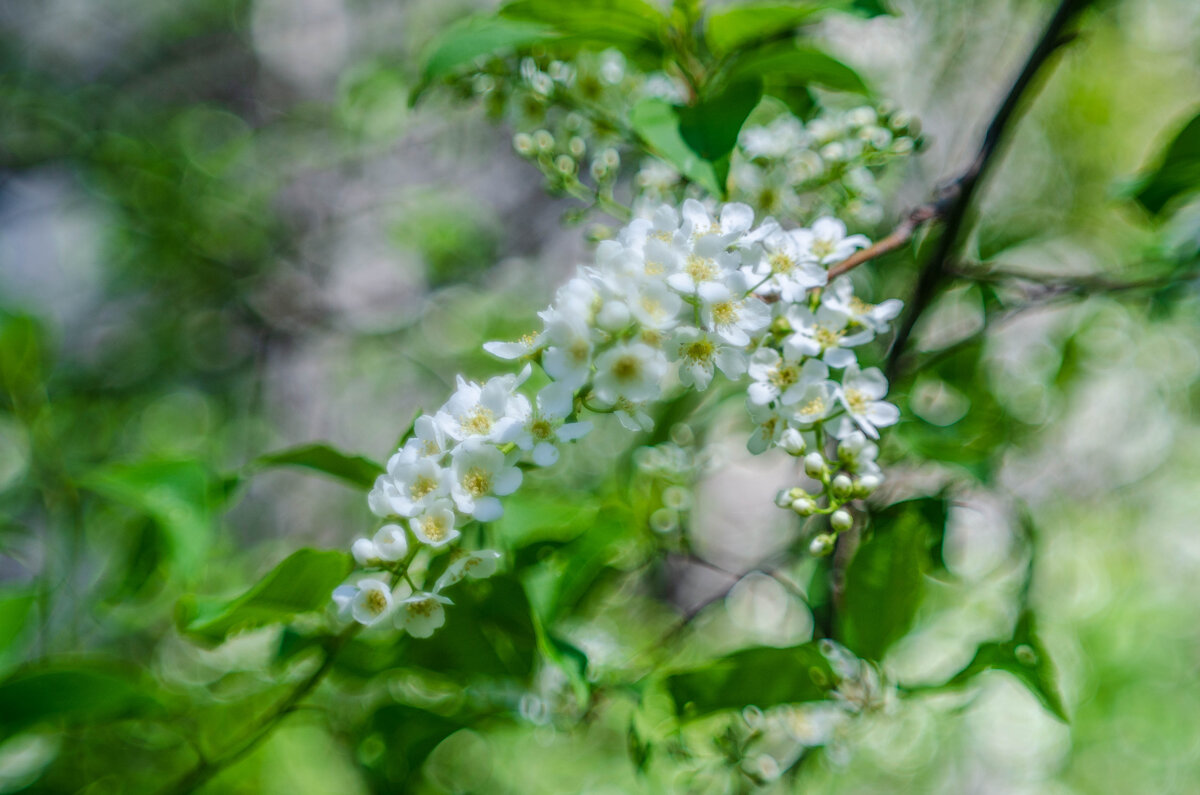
[423, 608]
[859, 306]
[541, 430]
[652, 307]
[784, 377]
[826, 337]
[479, 420]
[422, 486]
[781, 263]
[822, 247]
[701, 269]
[856, 400]
[626, 367]
[725, 313]
[579, 351]
[528, 340]
[477, 481]
[663, 235]
[434, 527]
[700, 351]
[654, 268]
[814, 406]
[376, 602]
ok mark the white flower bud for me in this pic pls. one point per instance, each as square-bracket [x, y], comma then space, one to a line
[613, 316]
[841, 520]
[805, 506]
[902, 146]
[792, 441]
[664, 520]
[867, 485]
[862, 116]
[577, 146]
[821, 545]
[523, 143]
[842, 486]
[834, 151]
[564, 164]
[391, 542]
[365, 554]
[815, 466]
[611, 157]
[543, 140]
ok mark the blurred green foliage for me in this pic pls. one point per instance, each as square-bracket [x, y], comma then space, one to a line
[164, 623]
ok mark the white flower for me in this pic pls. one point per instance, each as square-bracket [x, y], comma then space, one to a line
[633, 416]
[710, 236]
[777, 139]
[390, 542]
[815, 402]
[776, 378]
[435, 526]
[856, 454]
[545, 429]
[877, 317]
[371, 602]
[480, 472]
[631, 370]
[699, 352]
[654, 306]
[568, 360]
[491, 412]
[526, 346]
[410, 486]
[699, 269]
[827, 242]
[476, 565]
[726, 309]
[860, 394]
[421, 613]
[822, 335]
[788, 267]
[770, 423]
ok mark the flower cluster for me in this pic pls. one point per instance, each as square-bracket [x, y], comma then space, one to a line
[674, 300]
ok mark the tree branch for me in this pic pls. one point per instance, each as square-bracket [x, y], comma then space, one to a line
[956, 199]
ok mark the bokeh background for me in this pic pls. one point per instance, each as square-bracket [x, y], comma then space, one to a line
[226, 232]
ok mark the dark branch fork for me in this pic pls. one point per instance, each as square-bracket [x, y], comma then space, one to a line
[954, 201]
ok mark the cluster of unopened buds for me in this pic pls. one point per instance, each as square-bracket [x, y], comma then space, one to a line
[676, 298]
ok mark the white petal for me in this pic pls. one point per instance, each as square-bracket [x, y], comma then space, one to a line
[573, 430]
[881, 414]
[545, 454]
[506, 350]
[488, 509]
[507, 481]
[839, 357]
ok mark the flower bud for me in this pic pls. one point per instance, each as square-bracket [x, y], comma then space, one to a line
[841, 520]
[842, 486]
[784, 498]
[805, 506]
[565, 164]
[523, 143]
[815, 466]
[543, 140]
[391, 543]
[821, 545]
[866, 485]
[364, 552]
[577, 146]
[792, 442]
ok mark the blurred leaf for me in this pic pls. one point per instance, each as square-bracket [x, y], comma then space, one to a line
[1024, 657]
[711, 126]
[409, 734]
[630, 25]
[80, 692]
[796, 64]
[871, 8]
[488, 631]
[734, 27]
[763, 677]
[302, 582]
[23, 361]
[885, 580]
[657, 124]
[472, 37]
[352, 469]
[179, 496]
[1178, 171]
[15, 607]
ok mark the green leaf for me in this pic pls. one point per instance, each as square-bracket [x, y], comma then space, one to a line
[871, 8]
[762, 677]
[15, 607]
[180, 496]
[409, 735]
[885, 580]
[631, 25]
[657, 124]
[796, 64]
[352, 469]
[747, 24]
[711, 126]
[80, 692]
[469, 38]
[1178, 171]
[302, 582]
[23, 361]
[1024, 657]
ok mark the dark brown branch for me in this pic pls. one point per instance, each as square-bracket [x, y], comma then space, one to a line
[956, 199]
